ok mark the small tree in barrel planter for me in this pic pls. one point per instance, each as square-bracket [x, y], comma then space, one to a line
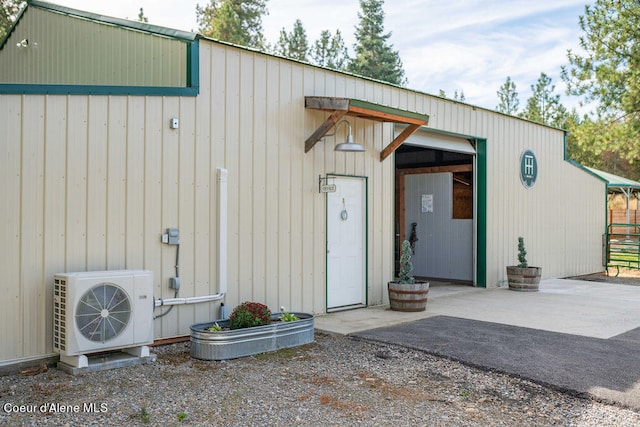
[407, 293]
[522, 277]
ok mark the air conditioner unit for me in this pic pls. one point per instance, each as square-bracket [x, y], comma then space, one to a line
[100, 311]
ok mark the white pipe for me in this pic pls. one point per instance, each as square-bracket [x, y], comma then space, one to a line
[188, 300]
[222, 250]
[222, 230]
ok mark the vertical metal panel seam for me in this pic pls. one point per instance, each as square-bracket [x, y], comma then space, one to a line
[21, 291]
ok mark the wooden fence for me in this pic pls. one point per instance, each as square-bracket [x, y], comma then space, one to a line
[619, 216]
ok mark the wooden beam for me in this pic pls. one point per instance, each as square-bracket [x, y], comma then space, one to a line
[393, 146]
[326, 103]
[401, 211]
[341, 107]
[436, 169]
[323, 129]
[384, 116]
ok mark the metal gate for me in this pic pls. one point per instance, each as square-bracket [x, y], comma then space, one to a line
[623, 246]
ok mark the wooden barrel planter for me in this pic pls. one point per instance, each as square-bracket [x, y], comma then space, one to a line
[408, 297]
[525, 279]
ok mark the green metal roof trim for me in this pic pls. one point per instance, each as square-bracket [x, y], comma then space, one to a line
[614, 180]
[134, 25]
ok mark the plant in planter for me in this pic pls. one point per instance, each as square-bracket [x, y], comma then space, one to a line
[406, 293]
[522, 277]
[286, 316]
[249, 314]
[251, 329]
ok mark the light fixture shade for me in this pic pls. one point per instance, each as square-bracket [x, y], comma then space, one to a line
[349, 146]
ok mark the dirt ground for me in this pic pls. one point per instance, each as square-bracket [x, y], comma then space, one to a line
[626, 276]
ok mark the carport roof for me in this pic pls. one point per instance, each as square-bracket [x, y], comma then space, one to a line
[615, 183]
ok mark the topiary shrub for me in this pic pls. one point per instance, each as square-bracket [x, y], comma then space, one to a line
[406, 267]
[522, 253]
[249, 314]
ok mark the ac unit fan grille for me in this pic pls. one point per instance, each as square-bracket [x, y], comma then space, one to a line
[103, 312]
[59, 313]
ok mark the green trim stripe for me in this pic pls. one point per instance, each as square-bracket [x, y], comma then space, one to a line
[22, 89]
[481, 272]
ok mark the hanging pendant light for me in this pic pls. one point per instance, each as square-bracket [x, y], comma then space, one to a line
[349, 145]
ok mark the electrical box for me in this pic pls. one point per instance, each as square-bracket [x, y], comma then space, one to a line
[174, 236]
[174, 283]
[174, 123]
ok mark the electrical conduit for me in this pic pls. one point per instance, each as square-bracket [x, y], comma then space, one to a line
[222, 250]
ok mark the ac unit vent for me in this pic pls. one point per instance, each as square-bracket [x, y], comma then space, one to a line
[59, 312]
[104, 310]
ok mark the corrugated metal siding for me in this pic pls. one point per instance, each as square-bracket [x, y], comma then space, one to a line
[91, 182]
[72, 51]
[560, 218]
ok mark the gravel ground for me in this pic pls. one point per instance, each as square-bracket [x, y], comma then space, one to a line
[623, 276]
[336, 380]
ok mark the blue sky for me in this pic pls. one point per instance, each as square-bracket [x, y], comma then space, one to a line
[461, 45]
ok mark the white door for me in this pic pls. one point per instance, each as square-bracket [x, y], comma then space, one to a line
[346, 243]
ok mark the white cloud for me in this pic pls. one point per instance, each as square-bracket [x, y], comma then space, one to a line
[470, 45]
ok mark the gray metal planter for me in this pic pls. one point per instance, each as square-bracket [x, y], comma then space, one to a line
[231, 344]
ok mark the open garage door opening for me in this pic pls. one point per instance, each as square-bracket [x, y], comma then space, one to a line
[435, 205]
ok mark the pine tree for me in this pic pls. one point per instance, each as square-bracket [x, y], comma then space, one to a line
[294, 44]
[233, 21]
[329, 51]
[459, 96]
[9, 10]
[375, 58]
[141, 17]
[543, 106]
[609, 71]
[608, 75]
[508, 98]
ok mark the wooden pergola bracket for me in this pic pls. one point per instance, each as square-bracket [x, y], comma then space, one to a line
[406, 133]
[341, 107]
[323, 129]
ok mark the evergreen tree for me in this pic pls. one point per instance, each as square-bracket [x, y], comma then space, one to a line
[608, 74]
[294, 44]
[609, 71]
[508, 98]
[375, 58]
[543, 106]
[233, 21]
[9, 10]
[330, 51]
[459, 96]
[604, 145]
[141, 17]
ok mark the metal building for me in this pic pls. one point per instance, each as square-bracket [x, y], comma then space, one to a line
[113, 131]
